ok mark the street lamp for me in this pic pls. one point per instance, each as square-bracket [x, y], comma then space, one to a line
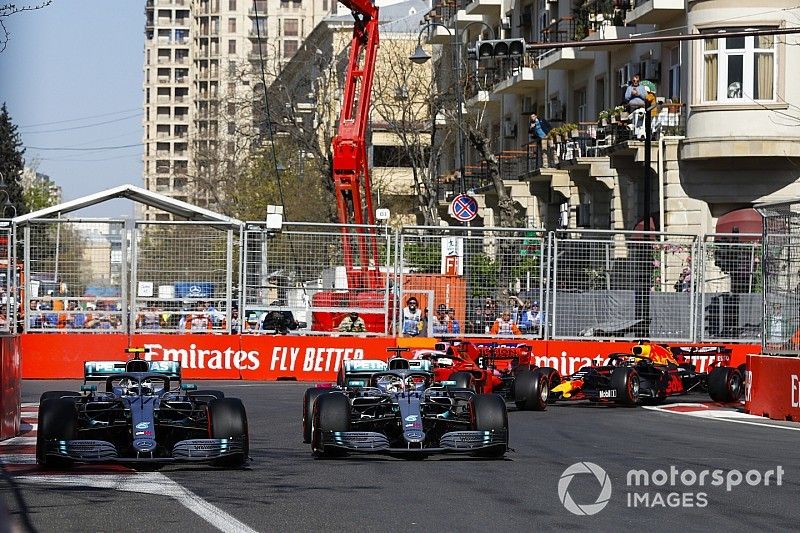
[420, 56]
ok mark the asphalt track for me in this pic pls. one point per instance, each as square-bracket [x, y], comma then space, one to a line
[285, 489]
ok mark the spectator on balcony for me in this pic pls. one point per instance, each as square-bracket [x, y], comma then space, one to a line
[635, 94]
[537, 130]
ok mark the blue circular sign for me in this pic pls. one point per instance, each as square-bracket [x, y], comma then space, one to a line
[464, 208]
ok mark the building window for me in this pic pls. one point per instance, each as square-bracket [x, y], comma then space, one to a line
[232, 5]
[231, 25]
[739, 69]
[599, 94]
[290, 47]
[232, 47]
[291, 27]
[231, 128]
[580, 105]
[674, 89]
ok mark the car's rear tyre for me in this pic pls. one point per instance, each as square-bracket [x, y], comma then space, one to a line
[331, 413]
[625, 381]
[309, 397]
[464, 380]
[58, 420]
[532, 390]
[725, 384]
[54, 394]
[206, 395]
[488, 413]
[227, 419]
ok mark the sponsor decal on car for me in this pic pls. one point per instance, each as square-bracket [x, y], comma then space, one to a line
[607, 394]
[143, 425]
[411, 418]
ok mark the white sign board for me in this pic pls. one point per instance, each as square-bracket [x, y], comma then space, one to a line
[453, 256]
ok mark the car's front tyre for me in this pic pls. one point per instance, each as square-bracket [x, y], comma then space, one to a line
[58, 420]
[227, 419]
[331, 413]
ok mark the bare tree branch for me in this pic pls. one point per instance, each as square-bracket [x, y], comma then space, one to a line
[6, 10]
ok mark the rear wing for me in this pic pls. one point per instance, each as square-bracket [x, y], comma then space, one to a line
[102, 370]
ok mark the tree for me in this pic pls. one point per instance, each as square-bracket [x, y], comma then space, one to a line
[6, 10]
[404, 94]
[11, 161]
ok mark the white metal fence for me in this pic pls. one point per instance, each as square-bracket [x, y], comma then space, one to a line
[175, 277]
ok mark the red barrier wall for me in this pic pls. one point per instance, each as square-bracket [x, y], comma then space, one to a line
[271, 357]
[10, 409]
[772, 387]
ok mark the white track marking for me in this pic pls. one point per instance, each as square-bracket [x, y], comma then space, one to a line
[18, 441]
[153, 483]
[717, 414]
[18, 459]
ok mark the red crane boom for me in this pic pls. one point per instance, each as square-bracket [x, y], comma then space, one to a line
[350, 172]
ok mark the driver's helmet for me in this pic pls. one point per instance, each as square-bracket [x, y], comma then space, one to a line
[415, 383]
[144, 388]
[391, 383]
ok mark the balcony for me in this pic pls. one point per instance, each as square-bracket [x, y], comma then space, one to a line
[491, 8]
[654, 11]
[606, 33]
[520, 79]
[563, 30]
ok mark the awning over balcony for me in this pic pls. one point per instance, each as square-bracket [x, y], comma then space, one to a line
[745, 220]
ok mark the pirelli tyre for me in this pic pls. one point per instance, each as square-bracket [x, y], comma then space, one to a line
[464, 380]
[227, 419]
[58, 420]
[531, 390]
[488, 413]
[625, 381]
[309, 396]
[331, 413]
[725, 384]
[52, 394]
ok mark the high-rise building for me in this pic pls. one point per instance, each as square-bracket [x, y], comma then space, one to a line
[203, 60]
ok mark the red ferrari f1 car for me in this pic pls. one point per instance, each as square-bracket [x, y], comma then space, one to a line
[505, 369]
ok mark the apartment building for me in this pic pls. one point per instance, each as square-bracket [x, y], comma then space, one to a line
[202, 63]
[50, 189]
[725, 139]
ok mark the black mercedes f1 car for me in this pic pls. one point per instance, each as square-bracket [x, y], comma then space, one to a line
[145, 414]
[397, 409]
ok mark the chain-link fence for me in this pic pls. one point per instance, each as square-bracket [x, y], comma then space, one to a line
[183, 277]
[622, 285]
[310, 278]
[175, 277]
[781, 275]
[731, 306]
[471, 281]
[75, 275]
[9, 279]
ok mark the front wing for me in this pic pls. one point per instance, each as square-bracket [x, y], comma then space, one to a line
[101, 451]
[371, 442]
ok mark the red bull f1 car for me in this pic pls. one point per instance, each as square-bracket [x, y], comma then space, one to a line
[651, 373]
[398, 408]
[143, 414]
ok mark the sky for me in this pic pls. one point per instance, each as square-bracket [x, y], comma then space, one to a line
[71, 77]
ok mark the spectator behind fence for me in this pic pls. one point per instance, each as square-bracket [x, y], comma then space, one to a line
[453, 325]
[635, 94]
[352, 323]
[684, 283]
[150, 318]
[777, 328]
[412, 318]
[440, 322]
[531, 318]
[505, 326]
[196, 321]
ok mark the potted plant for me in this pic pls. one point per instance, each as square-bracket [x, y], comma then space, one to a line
[572, 130]
[602, 118]
[621, 113]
